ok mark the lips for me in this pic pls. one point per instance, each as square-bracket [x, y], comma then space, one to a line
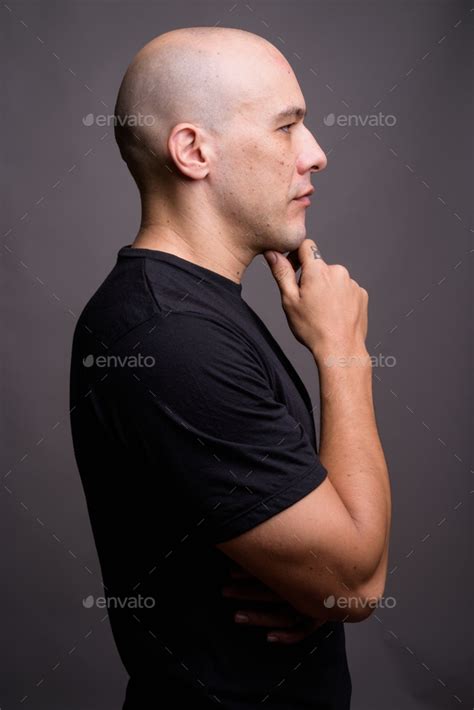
[304, 200]
[308, 192]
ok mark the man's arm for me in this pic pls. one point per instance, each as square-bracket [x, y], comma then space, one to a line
[333, 542]
[327, 554]
[351, 451]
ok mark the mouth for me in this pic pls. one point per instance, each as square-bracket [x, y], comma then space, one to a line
[304, 200]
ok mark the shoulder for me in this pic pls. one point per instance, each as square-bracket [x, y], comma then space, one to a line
[200, 338]
[189, 354]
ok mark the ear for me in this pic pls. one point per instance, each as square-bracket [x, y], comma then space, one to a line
[189, 150]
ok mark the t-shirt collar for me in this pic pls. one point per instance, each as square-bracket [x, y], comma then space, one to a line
[190, 266]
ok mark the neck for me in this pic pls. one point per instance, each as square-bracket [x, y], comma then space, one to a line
[199, 240]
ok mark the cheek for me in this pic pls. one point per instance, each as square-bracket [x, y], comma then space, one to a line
[254, 176]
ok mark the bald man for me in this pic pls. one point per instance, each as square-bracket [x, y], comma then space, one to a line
[218, 524]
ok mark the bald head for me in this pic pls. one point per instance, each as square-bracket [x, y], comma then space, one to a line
[200, 75]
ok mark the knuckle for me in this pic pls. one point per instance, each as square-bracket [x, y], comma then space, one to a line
[340, 270]
[280, 273]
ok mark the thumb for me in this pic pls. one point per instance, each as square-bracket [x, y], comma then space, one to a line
[283, 272]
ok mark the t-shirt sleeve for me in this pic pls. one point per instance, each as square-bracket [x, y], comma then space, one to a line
[207, 413]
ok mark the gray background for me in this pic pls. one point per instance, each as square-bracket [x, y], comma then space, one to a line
[393, 205]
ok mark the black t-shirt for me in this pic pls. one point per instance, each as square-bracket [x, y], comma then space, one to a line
[190, 426]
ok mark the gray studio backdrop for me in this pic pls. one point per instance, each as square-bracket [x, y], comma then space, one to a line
[393, 205]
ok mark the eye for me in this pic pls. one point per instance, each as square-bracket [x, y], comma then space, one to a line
[288, 125]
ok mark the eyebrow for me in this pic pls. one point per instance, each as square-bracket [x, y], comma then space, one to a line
[290, 112]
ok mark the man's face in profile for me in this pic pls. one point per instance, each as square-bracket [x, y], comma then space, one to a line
[230, 119]
[265, 159]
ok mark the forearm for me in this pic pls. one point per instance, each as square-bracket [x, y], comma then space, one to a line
[351, 451]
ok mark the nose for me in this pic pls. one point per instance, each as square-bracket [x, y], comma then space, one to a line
[313, 157]
[317, 157]
[321, 160]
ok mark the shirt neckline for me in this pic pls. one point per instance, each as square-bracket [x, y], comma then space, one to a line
[190, 266]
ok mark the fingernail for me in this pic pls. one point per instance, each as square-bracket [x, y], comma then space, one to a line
[241, 618]
[271, 257]
[272, 638]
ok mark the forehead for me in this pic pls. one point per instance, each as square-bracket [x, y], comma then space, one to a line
[284, 103]
[265, 87]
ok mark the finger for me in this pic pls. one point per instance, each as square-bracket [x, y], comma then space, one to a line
[312, 263]
[275, 620]
[309, 253]
[294, 259]
[251, 592]
[283, 273]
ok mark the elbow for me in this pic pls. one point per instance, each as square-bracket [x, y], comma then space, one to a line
[348, 608]
[368, 593]
[353, 606]
[361, 609]
[351, 603]
[365, 601]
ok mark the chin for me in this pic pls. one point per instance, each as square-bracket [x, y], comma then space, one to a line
[296, 239]
[286, 240]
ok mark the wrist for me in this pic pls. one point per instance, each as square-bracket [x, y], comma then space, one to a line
[343, 357]
[345, 373]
